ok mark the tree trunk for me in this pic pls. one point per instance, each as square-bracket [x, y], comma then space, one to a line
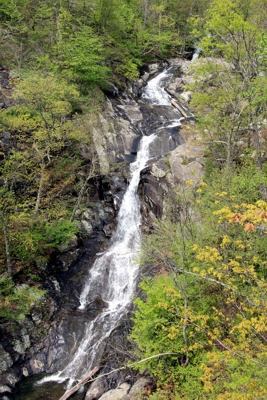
[8, 258]
[40, 189]
[146, 6]
[85, 380]
[82, 190]
[257, 146]
[179, 108]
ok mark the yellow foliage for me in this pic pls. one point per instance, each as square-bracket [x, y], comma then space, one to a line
[221, 194]
[209, 255]
[225, 214]
[225, 241]
[240, 244]
[189, 182]
[207, 377]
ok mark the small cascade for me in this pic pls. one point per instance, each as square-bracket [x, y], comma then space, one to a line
[196, 53]
[154, 92]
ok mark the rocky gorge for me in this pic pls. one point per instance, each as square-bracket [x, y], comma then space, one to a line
[49, 334]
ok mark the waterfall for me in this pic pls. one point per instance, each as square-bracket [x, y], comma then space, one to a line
[114, 273]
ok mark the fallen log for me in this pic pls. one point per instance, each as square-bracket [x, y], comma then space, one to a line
[179, 108]
[175, 104]
[74, 389]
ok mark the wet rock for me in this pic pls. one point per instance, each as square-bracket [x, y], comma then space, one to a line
[109, 229]
[68, 259]
[5, 389]
[101, 213]
[153, 69]
[25, 372]
[37, 316]
[96, 305]
[98, 387]
[116, 394]
[53, 284]
[111, 90]
[94, 218]
[5, 360]
[117, 199]
[152, 192]
[118, 183]
[104, 138]
[132, 111]
[109, 210]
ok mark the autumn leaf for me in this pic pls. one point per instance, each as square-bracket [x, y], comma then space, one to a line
[249, 227]
[236, 217]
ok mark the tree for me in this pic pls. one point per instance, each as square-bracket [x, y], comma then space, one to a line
[207, 302]
[233, 31]
[80, 54]
[53, 102]
[33, 180]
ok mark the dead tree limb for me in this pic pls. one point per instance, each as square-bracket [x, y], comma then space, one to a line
[87, 377]
[176, 105]
[179, 108]
[74, 389]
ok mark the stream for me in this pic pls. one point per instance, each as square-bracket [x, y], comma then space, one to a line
[113, 276]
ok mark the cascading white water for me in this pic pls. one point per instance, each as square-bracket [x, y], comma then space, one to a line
[196, 53]
[125, 244]
[118, 266]
[154, 91]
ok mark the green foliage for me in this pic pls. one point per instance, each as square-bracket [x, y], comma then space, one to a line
[50, 97]
[16, 301]
[37, 180]
[159, 327]
[244, 182]
[81, 58]
[129, 70]
[61, 232]
[85, 41]
[228, 92]
[207, 301]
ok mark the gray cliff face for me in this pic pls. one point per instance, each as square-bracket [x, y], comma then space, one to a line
[177, 156]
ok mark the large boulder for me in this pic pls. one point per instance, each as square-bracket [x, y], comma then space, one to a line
[98, 387]
[116, 394]
[138, 388]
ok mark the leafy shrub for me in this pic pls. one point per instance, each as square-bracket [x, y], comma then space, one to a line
[16, 301]
[61, 232]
